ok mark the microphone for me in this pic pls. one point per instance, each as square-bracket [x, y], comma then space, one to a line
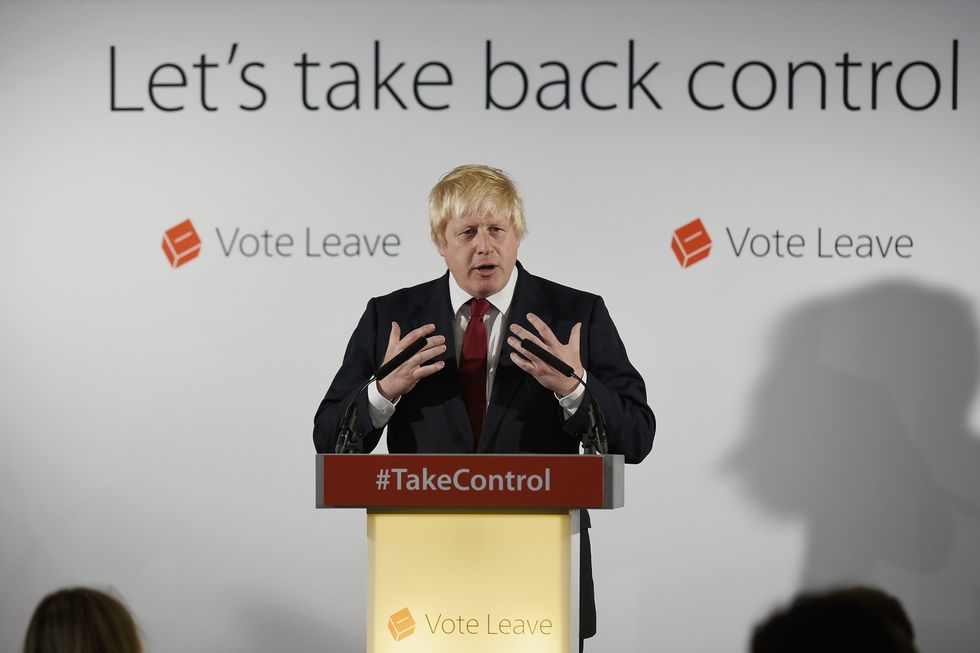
[594, 440]
[548, 357]
[399, 358]
[350, 437]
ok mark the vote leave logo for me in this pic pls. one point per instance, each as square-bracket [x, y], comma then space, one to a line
[181, 243]
[401, 624]
[691, 243]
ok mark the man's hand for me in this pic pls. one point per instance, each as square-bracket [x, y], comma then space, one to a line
[405, 376]
[546, 375]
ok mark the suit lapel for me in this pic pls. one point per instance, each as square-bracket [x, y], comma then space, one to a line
[437, 308]
[510, 378]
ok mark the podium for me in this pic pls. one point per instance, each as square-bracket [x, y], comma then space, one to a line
[475, 553]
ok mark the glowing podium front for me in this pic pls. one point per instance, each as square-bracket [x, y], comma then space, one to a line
[475, 553]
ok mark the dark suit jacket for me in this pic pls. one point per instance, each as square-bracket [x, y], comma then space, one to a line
[522, 416]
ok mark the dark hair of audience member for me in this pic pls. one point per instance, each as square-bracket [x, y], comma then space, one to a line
[81, 620]
[855, 619]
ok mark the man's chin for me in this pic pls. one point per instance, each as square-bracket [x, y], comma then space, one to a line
[484, 287]
[485, 291]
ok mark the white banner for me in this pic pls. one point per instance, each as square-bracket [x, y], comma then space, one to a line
[814, 375]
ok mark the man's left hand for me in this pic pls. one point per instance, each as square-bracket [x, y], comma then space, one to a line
[545, 374]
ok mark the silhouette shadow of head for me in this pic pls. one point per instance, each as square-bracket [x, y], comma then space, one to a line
[858, 427]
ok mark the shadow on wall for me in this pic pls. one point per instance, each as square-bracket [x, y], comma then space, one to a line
[859, 428]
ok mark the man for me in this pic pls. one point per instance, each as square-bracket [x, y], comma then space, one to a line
[473, 388]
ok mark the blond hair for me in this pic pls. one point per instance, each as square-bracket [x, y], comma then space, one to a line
[474, 189]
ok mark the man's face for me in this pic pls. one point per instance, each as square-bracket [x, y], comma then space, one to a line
[480, 251]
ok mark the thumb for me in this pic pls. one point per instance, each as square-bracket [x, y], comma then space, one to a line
[575, 336]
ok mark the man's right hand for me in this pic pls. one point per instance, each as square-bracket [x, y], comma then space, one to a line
[405, 376]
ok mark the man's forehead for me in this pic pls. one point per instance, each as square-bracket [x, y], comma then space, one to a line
[480, 218]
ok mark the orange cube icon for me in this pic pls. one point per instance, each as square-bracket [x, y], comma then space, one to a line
[401, 624]
[181, 243]
[691, 243]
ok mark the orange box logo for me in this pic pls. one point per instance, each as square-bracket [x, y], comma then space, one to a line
[691, 243]
[181, 244]
[401, 624]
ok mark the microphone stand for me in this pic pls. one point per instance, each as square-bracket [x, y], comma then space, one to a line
[350, 438]
[594, 439]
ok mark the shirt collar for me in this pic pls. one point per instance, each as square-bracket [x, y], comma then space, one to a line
[501, 300]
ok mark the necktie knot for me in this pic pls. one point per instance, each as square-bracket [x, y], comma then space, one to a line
[479, 308]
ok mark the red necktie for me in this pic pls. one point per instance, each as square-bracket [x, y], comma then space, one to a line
[473, 366]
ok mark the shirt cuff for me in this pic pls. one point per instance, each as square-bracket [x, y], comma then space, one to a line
[379, 408]
[570, 402]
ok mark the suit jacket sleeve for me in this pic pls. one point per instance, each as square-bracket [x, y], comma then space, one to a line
[360, 361]
[616, 386]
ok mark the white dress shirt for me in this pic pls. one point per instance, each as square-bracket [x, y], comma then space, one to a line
[495, 321]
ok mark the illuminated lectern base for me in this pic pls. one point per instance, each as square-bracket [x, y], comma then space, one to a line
[477, 582]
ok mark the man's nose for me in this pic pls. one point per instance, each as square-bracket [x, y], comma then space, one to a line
[483, 241]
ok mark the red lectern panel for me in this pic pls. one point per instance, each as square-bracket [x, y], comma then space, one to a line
[480, 481]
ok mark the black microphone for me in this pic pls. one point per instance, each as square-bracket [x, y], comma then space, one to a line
[400, 358]
[594, 440]
[548, 357]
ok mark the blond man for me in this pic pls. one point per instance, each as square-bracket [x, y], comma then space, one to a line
[473, 388]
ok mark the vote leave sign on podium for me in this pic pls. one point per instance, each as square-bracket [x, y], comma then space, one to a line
[471, 552]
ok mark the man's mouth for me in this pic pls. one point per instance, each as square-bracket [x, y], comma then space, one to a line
[485, 270]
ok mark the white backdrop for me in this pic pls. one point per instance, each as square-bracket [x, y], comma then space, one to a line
[817, 416]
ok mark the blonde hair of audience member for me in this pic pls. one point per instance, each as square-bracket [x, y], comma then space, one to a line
[474, 190]
[81, 620]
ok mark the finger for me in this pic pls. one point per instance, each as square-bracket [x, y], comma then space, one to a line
[525, 364]
[427, 370]
[434, 341]
[543, 329]
[429, 353]
[415, 334]
[394, 336]
[575, 336]
[526, 355]
[521, 332]
[410, 366]
[516, 344]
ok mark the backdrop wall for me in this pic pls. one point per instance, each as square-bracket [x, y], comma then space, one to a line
[817, 409]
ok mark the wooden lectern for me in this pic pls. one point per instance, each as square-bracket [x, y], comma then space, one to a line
[475, 553]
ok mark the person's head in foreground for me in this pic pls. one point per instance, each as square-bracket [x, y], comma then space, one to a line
[81, 620]
[848, 620]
